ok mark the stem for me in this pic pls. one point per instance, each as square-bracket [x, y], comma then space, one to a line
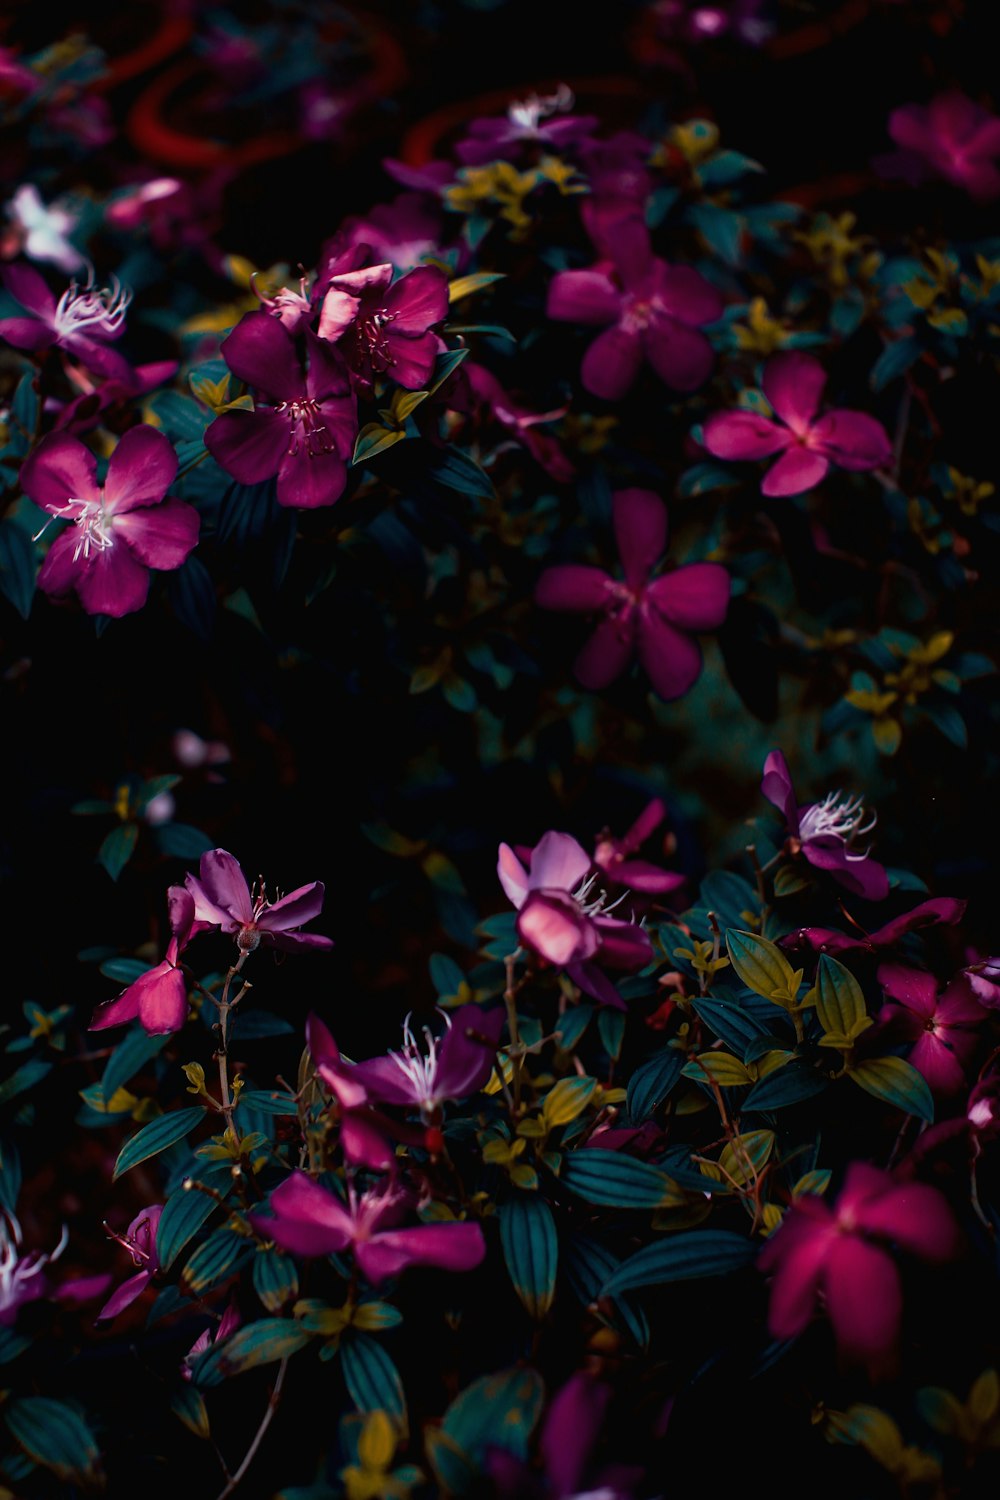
[758, 871]
[516, 1051]
[225, 1006]
[272, 1406]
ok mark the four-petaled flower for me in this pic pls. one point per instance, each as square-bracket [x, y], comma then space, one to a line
[842, 1251]
[942, 1024]
[223, 898]
[648, 310]
[565, 919]
[451, 1068]
[158, 997]
[614, 857]
[82, 321]
[956, 138]
[304, 427]
[119, 531]
[384, 326]
[793, 383]
[311, 1221]
[139, 1240]
[650, 617]
[825, 831]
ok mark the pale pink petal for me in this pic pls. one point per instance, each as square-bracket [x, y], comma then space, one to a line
[453, 1247]
[558, 863]
[554, 927]
[573, 587]
[793, 383]
[161, 536]
[670, 658]
[640, 522]
[60, 469]
[607, 651]
[588, 297]
[639, 875]
[338, 312]
[694, 597]
[863, 1300]
[744, 435]
[852, 439]
[140, 471]
[512, 874]
[795, 472]
[114, 584]
[612, 363]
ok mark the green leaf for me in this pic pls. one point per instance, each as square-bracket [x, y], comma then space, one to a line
[761, 965]
[566, 1100]
[463, 285]
[17, 567]
[156, 1137]
[496, 1411]
[188, 1404]
[651, 1084]
[589, 1264]
[614, 1181]
[221, 1256]
[374, 438]
[897, 1082]
[260, 1343]
[23, 1078]
[786, 1085]
[372, 1380]
[686, 1257]
[531, 1250]
[456, 471]
[118, 848]
[453, 1469]
[268, 1101]
[275, 1278]
[840, 1004]
[611, 1025]
[54, 1434]
[183, 1215]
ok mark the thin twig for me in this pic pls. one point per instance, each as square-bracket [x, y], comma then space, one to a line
[265, 1422]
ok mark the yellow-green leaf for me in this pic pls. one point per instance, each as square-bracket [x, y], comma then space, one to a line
[840, 1003]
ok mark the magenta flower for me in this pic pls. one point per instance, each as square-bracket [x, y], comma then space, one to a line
[302, 427]
[362, 1136]
[223, 898]
[793, 383]
[649, 617]
[649, 310]
[949, 909]
[22, 1277]
[539, 120]
[825, 832]
[843, 1252]
[385, 325]
[520, 422]
[984, 978]
[159, 997]
[942, 1025]
[956, 138]
[310, 1221]
[139, 1240]
[614, 857]
[227, 1324]
[569, 1435]
[404, 232]
[564, 919]
[82, 321]
[118, 532]
[449, 1068]
[293, 310]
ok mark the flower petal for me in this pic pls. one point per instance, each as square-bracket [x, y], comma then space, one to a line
[852, 439]
[249, 445]
[693, 597]
[640, 522]
[744, 434]
[607, 652]
[124, 1296]
[512, 875]
[915, 1217]
[262, 353]
[589, 978]
[572, 1427]
[294, 910]
[453, 1247]
[418, 300]
[624, 945]
[467, 1052]
[114, 584]
[558, 863]
[914, 988]
[573, 587]
[221, 893]
[140, 471]
[796, 471]
[363, 1143]
[413, 358]
[554, 927]
[327, 375]
[60, 571]
[163, 1005]
[307, 481]
[681, 356]
[162, 536]
[28, 287]
[60, 469]
[27, 333]
[687, 295]
[670, 658]
[799, 1251]
[588, 297]
[612, 363]
[793, 383]
[864, 1300]
[116, 1012]
[308, 1220]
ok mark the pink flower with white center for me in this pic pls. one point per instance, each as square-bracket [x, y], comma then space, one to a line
[825, 832]
[565, 919]
[793, 383]
[223, 898]
[292, 309]
[158, 998]
[384, 326]
[139, 1240]
[311, 1221]
[452, 1067]
[22, 1277]
[943, 1025]
[118, 531]
[540, 119]
[649, 310]
[842, 1253]
[82, 321]
[44, 231]
[614, 857]
[650, 617]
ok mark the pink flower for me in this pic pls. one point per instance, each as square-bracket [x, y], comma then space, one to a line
[649, 617]
[565, 920]
[119, 532]
[648, 309]
[361, 1135]
[227, 1324]
[956, 138]
[825, 832]
[521, 423]
[304, 427]
[793, 383]
[613, 857]
[139, 1240]
[984, 978]
[942, 1026]
[158, 997]
[948, 909]
[310, 1221]
[539, 120]
[22, 1277]
[385, 325]
[293, 310]
[83, 320]
[454, 1067]
[403, 232]
[842, 1253]
[222, 898]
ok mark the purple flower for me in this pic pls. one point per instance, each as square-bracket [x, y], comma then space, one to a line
[984, 978]
[159, 997]
[310, 1221]
[384, 324]
[453, 1067]
[648, 309]
[942, 1026]
[139, 1240]
[793, 383]
[44, 232]
[22, 1277]
[227, 1324]
[304, 427]
[563, 918]
[539, 120]
[613, 857]
[956, 138]
[824, 832]
[293, 310]
[948, 909]
[222, 898]
[570, 1432]
[118, 532]
[649, 617]
[82, 321]
[403, 232]
[521, 423]
[361, 1136]
[842, 1252]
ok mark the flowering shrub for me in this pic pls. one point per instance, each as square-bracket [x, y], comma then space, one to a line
[614, 1082]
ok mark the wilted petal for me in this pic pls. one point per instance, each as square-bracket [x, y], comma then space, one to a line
[453, 1247]
[558, 863]
[59, 469]
[863, 1299]
[308, 1220]
[693, 597]
[744, 435]
[852, 439]
[612, 363]
[163, 1005]
[670, 658]
[588, 297]
[554, 927]
[793, 383]
[115, 583]
[162, 536]
[797, 470]
[640, 522]
[607, 651]
[140, 471]
[573, 587]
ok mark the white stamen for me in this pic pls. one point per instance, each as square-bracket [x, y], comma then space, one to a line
[526, 114]
[601, 905]
[92, 310]
[95, 527]
[840, 817]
